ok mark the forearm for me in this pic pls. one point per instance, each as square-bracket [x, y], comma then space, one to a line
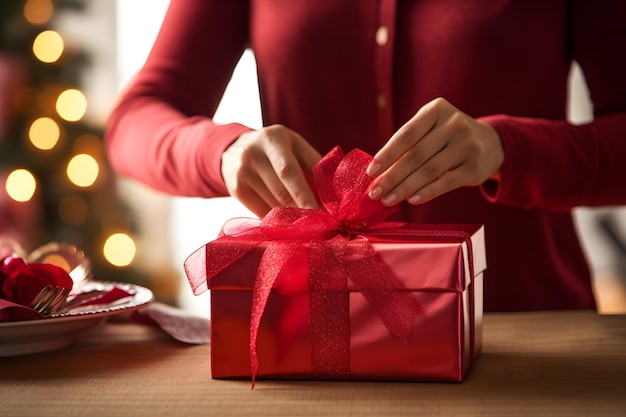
[555, 165]
[155, 144]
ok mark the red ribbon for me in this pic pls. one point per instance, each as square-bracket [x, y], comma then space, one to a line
[338, 250]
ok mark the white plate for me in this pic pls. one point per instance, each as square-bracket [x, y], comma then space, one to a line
[18, 338]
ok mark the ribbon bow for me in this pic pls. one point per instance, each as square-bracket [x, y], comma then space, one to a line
[338, 250]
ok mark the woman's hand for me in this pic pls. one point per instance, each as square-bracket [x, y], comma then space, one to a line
[438, 150]
[266, 168]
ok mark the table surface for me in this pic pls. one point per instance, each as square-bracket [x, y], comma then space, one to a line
[538, 363]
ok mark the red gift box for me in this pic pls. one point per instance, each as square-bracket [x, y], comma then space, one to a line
[337, 293]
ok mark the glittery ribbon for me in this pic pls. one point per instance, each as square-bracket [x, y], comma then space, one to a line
[336, 243]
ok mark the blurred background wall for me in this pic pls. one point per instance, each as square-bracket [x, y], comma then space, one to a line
[104, 43]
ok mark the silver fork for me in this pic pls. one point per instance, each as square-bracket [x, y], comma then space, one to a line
[49, 299]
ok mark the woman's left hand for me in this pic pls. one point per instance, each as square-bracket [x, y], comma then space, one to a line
[438, 150]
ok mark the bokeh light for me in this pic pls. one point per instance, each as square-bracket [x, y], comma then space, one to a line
[119, 249]
[83, 170]
[71, 105]
[44, 133]
[38, 12]
[57, 260]
[48, 46]
[21, 185]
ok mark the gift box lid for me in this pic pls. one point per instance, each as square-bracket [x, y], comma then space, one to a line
[423, 257]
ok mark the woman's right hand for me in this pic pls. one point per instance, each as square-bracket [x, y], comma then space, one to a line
[266, 168]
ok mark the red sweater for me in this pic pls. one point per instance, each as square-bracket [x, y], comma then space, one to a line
[324, 72]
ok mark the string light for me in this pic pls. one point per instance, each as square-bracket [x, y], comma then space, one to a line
[48, 46]
[21, 185]
[119, 249]
[83, 170]
[44, 133]
[71, 105]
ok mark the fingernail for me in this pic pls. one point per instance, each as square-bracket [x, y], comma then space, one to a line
[373, 168]
[414, 199]
[389, 199]
[375, 192]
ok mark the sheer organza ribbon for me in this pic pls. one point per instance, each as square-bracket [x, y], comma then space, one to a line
[338, 250]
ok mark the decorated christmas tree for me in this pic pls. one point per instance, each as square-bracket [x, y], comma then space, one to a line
[55, 183]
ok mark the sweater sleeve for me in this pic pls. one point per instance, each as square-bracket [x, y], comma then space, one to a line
[160, 131]
[555, 165]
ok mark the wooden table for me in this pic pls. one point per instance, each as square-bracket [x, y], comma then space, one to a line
[533, 364]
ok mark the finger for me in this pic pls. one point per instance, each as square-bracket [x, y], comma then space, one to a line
[405, 138]
[266, 186]
[308, 157]
[436, 181]
[306, 154]
[251, 191]
[449, 181]
[288, 183]
[256, 172]
[430, 172]
[412, 160]
[253, 200]
[256, 205]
